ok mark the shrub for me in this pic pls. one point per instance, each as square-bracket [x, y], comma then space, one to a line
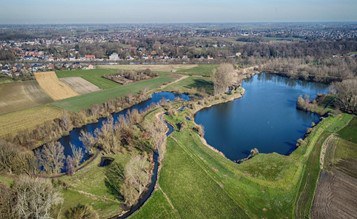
[82, 212]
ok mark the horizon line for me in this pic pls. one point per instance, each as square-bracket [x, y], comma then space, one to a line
[193, 22]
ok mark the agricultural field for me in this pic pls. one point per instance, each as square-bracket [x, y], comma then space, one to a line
[21, 95]
[335, 194]
[164, 68]
[56, 89]
[87, 100]
[200, 70]
[93, 76]
[27, 119]
[80, 85]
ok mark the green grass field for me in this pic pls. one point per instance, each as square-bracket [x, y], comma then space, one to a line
[93, 76]
[87, 186]
[350, 132]
[196, 182]
[85, 101]
[27, 119]
[201, 70]
[197, 83]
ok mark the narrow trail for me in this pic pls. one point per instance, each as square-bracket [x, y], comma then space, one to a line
[174, 82]
[327, 143]
[168, 199]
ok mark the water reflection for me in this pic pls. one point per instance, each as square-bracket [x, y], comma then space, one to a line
[265, 118]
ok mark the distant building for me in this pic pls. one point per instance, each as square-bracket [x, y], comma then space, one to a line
[89, 67]
[114, 57]
[89, 57]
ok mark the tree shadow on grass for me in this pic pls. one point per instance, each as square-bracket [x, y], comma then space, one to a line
[114, 178]
[200, 84]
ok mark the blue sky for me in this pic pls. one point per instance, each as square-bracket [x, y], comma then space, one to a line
[175, 11]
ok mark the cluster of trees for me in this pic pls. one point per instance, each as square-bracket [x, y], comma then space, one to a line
[52, 130]
[304, 103]
[16, 160]
[300, 49]
[82, 212]
[309, 68]
[346, 95]
[129, 182]
[116, 137]
[29, 198]
[49, 159]
[128, 76]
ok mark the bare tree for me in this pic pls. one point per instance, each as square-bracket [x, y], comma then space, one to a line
[223, 77]
[346, 92]
[77, 155]
[136, 179]
[35, 197]
[7, 201]
[51, 157]
[106, 136]
[88, 140]
[157, 131]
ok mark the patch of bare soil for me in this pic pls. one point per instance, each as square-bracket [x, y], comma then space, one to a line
[335, 196]
[80, 85]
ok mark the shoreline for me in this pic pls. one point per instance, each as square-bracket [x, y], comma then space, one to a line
[232, 97]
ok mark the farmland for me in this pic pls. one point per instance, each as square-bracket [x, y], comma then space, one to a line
[80, 85]
[335, 194]
[21, 95]
[56, 89]
[200, 70]
[87, 100]
[27, 119]
[165, 68]
[93, 76]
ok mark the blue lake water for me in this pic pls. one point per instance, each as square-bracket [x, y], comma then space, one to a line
[265, 117]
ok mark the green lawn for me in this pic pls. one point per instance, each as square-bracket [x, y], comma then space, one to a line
[87, 186]
[201, 70]
[85, 101]
[93, 76]
[198, 83]
[349, 133]
[196, 182]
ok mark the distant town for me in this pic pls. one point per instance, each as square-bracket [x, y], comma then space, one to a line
[27, 49]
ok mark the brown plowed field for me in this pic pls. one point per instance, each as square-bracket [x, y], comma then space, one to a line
[21, 95]
[80, 85]
[55, 88]
[336, 193]
[335, 196]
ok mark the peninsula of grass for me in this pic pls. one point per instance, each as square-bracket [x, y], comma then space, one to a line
[197, 182]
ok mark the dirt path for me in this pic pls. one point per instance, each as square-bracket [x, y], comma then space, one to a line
[326, 145]
[167, 199]
[180, 79]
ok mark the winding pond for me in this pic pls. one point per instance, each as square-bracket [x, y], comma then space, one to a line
[265, 117]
